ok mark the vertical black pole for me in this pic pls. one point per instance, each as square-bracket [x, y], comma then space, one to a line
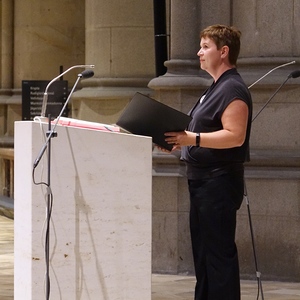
[48, 215]
[61, 70]
[160, 35]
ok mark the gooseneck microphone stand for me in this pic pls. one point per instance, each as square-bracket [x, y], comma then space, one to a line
[294, 74]
[50, 134]
[84, 74]
[45, 97]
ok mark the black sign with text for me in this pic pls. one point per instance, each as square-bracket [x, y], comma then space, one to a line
[33, 94]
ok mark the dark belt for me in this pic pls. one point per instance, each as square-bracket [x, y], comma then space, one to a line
[212, 173]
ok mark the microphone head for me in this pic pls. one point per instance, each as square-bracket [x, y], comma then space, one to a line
[294, 74]
[86, 74]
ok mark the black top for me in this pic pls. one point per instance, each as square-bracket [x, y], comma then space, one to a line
[207, 114]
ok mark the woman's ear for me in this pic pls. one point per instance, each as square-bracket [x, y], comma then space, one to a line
[224, 51]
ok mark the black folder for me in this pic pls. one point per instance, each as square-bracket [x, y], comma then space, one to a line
[146, 116]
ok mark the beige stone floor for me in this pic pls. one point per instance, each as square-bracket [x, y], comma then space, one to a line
[6, 258]
[167, 287]
[164, 287]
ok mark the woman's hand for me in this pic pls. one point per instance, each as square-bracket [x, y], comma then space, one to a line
[180, 138]
[167, 151]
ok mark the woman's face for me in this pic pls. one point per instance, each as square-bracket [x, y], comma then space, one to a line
[209, 55]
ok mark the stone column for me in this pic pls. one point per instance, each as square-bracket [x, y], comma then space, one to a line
[178, 88]
[46, 38]
[184, 29]
[6, 66]
[120, 42]
[6, 44]
[39, 36]
[184, 75]
[6, 52]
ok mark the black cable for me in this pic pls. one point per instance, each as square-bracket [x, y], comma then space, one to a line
[47, 241]
[47, 232]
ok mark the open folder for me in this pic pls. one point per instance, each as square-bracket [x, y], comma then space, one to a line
[146, 116]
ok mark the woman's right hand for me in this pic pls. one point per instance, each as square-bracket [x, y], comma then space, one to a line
[175, 147]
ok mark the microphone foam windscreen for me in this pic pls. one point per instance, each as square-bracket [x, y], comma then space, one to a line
[87, 74]
[295, 74]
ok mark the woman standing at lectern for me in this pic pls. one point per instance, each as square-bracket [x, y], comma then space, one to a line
[214, 148]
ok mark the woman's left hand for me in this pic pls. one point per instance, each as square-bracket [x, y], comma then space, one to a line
[180, 138]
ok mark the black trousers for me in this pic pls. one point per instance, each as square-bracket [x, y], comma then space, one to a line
[213, 206]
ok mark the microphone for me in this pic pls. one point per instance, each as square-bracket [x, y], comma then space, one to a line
[294, 74]
[82, 75]
[86, 74]
[289, 63]
[45, 98]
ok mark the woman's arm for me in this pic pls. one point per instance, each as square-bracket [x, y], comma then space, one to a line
[234, 121]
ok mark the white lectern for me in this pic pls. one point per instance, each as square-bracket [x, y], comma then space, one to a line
[100, 233]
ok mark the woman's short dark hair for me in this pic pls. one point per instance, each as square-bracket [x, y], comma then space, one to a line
[224, 35]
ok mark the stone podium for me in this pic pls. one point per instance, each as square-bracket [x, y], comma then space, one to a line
[100, 231]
